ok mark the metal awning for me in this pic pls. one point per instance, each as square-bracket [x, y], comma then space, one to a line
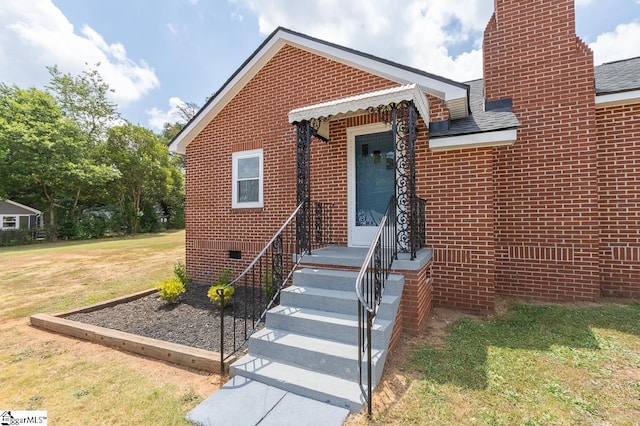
[360, 103]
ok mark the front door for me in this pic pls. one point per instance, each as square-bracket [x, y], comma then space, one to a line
[371, 179]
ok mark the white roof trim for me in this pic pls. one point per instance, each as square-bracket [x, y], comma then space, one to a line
[475, 140]
[22, 206]
[409, 92]
[272, 45]
[622, 98]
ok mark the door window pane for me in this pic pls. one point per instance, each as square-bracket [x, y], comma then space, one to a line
[375, 176]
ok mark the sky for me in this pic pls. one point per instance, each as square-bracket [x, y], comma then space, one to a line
[157, 54]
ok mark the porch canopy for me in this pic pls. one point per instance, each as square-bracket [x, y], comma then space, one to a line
[339, 108]
[400, 107]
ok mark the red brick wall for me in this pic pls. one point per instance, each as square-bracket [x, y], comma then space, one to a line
[619, 199]
[458, 188]
[546, 191]
[257, 118]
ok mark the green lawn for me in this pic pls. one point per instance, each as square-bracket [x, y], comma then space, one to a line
[532, 365]
[78, 382]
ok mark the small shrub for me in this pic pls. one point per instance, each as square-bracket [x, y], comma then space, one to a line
[223, 280]
[170, 289]
[180, 271]
[226, 294]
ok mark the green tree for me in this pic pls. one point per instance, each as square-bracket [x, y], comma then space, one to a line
[42, 152]
[85, 99]
[147, 172]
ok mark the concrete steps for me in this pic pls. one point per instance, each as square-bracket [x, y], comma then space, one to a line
[309, 346]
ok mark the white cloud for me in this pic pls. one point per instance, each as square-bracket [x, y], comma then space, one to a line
[418, 33]
[157, 117]
[35, 34]
[236, 16]
[622, 43]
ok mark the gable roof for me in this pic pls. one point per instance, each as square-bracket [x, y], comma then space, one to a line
[13, 208]
[455, 94]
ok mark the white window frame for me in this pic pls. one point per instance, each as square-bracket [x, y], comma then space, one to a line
[15, 224]
[235, 157]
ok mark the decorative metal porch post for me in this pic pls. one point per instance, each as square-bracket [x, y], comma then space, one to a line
[403, 118]
[303, 186]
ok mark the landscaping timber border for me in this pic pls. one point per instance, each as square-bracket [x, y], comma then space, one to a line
[187, 356]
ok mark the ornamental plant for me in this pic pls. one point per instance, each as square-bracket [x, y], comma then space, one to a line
[180, 271]
[222, 284]
[169, 290]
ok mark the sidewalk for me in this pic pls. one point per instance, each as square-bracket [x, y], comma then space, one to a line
[244, 402]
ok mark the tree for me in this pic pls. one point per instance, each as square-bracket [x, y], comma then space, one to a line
[146, 170]
[85, 99]
[42, 152]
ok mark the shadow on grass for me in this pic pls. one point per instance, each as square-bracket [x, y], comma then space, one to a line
[531, 327]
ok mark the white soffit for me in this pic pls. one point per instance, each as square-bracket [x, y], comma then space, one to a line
[351, 104]
[475, 140]
[622, 98]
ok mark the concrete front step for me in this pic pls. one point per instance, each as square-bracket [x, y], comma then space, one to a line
[309, 346]
[344, 302]
[331, 279]
[321, 355]
[300, 381]
[326, 325]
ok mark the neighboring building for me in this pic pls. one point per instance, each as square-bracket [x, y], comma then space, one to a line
[531, 175]
[15, 216]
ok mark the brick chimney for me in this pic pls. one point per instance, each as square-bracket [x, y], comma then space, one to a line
[546, 183]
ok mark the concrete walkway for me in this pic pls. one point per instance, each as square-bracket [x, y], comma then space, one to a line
[244, 402]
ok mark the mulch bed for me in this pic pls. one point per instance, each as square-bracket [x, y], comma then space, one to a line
[194, 321]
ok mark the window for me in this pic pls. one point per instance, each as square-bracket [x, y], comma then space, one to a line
[247, 179]
[9, 222]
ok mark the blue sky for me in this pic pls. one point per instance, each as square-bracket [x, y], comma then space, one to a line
[156, 54]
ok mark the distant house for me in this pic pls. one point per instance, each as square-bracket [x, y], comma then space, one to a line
[18, 216]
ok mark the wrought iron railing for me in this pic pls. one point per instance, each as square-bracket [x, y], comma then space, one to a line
[257, 289]
[370, 285]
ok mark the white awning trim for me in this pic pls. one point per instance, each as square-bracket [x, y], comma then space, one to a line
[352, 104]
[476, 140]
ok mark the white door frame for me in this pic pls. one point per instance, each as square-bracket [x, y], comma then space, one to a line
[357, 237]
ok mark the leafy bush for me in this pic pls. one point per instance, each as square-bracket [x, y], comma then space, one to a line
[180, 271]
[226, 294]
[170, 289]
[223, 280]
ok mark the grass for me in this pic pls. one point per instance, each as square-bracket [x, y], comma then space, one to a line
[78, 382]
[531, 365]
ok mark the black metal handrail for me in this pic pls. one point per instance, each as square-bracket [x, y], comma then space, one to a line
[260, 284]
[369, 288]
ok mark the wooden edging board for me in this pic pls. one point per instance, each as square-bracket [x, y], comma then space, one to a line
[187, 356]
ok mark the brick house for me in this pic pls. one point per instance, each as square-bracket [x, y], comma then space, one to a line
[530, 176]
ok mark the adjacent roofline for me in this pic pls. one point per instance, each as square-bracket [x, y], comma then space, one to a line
[618, 98]
[474, 140]
[435, 85]
[22, 206]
